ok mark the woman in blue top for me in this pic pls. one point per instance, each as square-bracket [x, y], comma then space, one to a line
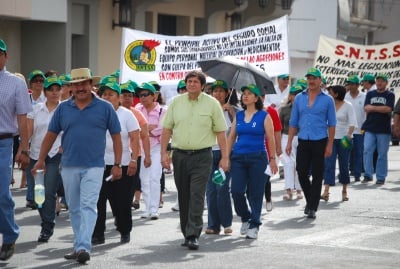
[249, 159]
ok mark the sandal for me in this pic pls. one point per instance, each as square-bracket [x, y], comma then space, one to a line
[287, 196]
[228, 231]
[211, 231]
[299, 196]
[344, 196]
[325, 197]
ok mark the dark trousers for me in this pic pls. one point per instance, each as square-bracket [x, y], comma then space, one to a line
[310, 157]
[191, 173]
[119, 194]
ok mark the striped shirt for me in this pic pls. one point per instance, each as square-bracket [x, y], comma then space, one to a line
[14, 100]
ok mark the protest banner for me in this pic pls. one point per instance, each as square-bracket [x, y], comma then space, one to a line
[146, 56]
[338, 59]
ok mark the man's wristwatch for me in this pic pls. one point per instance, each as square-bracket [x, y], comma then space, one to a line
[118, 165]
[26, 152]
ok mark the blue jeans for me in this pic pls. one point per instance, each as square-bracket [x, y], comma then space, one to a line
[343, 156]
[52, 181]
[8, 227]
[82, 187]
[357, 154]
[380, 142]
[218, 198]
[248, 179]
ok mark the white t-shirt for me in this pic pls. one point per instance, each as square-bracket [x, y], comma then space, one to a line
[345, 117]
[41, 119]
[228, 124]
[129, 124]
[358, 106]
[277, 98]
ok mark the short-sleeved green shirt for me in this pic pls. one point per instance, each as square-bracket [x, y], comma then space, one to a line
[194, 123]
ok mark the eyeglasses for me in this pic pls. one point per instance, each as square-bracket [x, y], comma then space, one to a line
[38, 81]
[144, 94]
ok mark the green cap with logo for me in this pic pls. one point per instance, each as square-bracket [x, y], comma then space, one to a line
[133, 84]
[295, 89]
[48, 82]
[283, 76]
[382, 76]
[108, 79]
[127, 87]
[146, 86]
[219, 83]
[253, 88]
[302, 82]
[35, 73]
[368, 77]
[65, 79]
[354, 79]
[3, 45]
[156, 85]
[315, 72]
[116, 73]
[112, 86]
[181, 85]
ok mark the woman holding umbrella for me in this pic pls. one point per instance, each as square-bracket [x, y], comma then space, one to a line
[249, 159]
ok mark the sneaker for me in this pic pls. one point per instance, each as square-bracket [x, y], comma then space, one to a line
[145, 215]
[44, 237]
[228, 231]
[245, 227]
[154, 216]
[269, 206]
[252, 233]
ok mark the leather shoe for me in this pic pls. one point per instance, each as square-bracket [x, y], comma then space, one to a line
[44, 237]
[193, 243]
[306, 210]
[125, 238]
[311, 214]
[31, 204]
[98, 240]
[83, 256]
[7, 250]
[71, 256]
[185, 243]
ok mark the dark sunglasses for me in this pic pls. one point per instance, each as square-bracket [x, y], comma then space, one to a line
[145, 94]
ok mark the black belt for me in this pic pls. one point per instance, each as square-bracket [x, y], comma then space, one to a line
[5, 136]
[192, 151]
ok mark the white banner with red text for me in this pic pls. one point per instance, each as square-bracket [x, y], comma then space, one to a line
[165, 59]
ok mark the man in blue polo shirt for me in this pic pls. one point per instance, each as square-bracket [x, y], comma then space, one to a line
[84, 120]
[314, 118]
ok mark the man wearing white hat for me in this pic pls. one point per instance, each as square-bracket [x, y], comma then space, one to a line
[84, 120]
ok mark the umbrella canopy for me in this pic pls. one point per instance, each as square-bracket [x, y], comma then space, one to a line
[237, 73]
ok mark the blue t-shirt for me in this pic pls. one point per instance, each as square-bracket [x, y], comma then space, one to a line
[250, 135]
[84, 131]
[376, 122]
[313, 122]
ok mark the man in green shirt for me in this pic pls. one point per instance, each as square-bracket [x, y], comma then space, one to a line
[197, 123]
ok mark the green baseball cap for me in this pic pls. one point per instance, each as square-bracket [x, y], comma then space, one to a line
[35, 73]
[353, 79]
[283, 76]
[3, 45]
[253, 88]
[116, 73]
[219, 83]
[127, 87]
[156, 85]
[324, 81]
[302, 82]
[133, 84]
[48, 82]
[112, 86]
[295, 89]
[65, 79]
[181, 84]
[382, 76]
[146, 86]
[108, 79]
[368, 77]
[313, 71]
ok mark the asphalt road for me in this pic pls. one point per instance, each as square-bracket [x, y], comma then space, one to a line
[361, 233]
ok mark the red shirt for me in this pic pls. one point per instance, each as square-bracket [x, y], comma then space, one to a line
[275, 121]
